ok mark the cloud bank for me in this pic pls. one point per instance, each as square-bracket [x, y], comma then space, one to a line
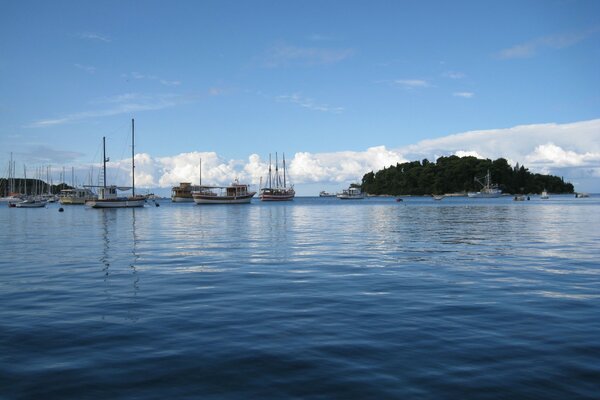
[569, 150]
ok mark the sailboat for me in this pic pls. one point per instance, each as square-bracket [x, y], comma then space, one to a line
[107, 195]
[10, 195]
[276, 189]
[236, 193]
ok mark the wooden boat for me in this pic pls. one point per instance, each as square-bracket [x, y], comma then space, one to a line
[75, 196]
[183, 192]
[107, 195]
[236, 193]
[277, 190]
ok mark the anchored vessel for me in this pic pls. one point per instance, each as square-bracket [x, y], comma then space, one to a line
[276, 189]
[183, 192]
[107, 195]
[488, 191]
[75, 196]
[326, 194]
[352, 193]
[236, 193]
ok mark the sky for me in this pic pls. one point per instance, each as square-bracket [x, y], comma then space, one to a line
[341, 88]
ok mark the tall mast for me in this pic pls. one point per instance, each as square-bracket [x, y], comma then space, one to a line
[104, 160]
[11, 175]
[200, 171]
[132, 159]
[270, 179]
[284, 185]
[276, 172]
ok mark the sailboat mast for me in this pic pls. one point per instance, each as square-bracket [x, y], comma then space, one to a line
[200, 171]
[270, 179]
[104, 161]
[132, 159]
[277, 180]
[284, 185]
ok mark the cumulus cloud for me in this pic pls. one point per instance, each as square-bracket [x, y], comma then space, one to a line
[569, 150]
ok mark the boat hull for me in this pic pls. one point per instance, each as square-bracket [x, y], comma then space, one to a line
[483, 195]
[34, 204]
[283, 197]
[200, 199]
[178, 199]
[344, 197]
[116, 203]
[67, 201]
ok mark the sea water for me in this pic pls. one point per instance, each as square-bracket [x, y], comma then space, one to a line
[315, 298]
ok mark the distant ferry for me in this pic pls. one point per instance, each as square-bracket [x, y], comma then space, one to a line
[236, 193]
[352, 193]
[488, 190]
[326, 194]
[183, 192]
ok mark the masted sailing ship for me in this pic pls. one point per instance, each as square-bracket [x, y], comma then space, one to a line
[276, 188]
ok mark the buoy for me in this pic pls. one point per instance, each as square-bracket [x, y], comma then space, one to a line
[157, 205]
[61, 209]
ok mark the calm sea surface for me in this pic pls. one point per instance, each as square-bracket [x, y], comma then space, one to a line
[317, 298]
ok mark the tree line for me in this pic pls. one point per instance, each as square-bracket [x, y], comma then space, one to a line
[455, 174]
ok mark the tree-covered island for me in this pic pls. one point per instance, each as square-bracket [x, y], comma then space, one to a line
[455, 174]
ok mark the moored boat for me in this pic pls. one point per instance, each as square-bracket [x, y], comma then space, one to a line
[107, 195]
[183, 192]
[75, 196]
[488, 190]
[352, 193]
[236, 193]
[277, 190]
[326, 194]
[32, 202]
[544, 195]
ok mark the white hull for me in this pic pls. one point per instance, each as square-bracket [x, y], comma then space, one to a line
[116, 203]
[483, 195]
[223, 200]
[31, 204]
[346, 197]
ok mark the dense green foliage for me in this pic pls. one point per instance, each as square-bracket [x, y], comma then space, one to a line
[455, 174]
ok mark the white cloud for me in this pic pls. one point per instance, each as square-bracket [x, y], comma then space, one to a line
[94, 36]
[285, 55]
[308, 103]
[466, 95]
[569, 150]
[531, 47]
[87, 68]
[162, 81]
[126, 103]
[453, 75]
[412, 83]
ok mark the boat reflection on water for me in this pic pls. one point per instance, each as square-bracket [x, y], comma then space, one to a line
[114, 244]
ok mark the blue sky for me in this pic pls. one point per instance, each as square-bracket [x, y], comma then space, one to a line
[341, 87]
